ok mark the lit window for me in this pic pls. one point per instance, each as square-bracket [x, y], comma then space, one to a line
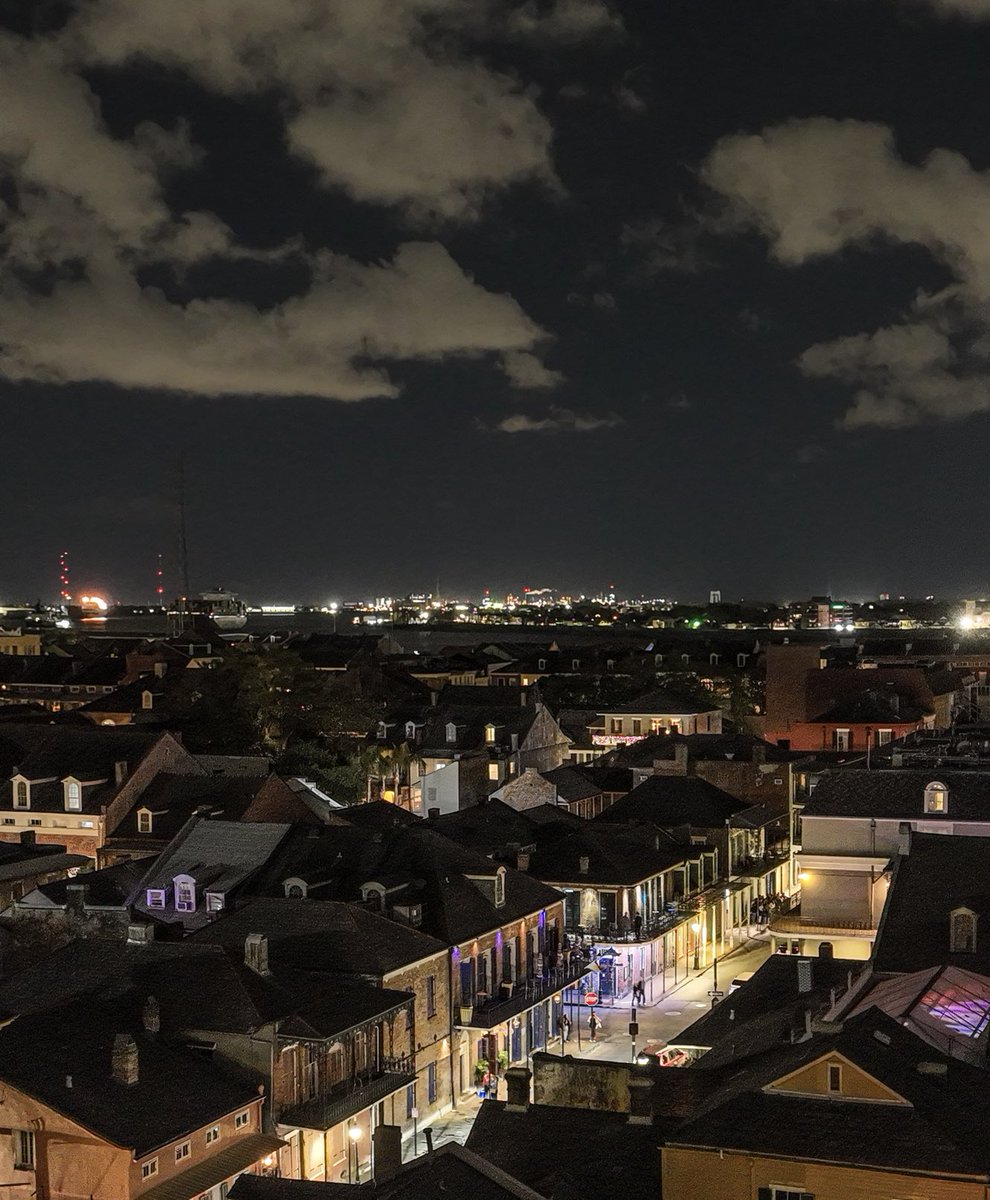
[149, 1169]
[145, 820]
[73, 796]
[493, 772]
[936, 798]
[182, 1151]
[87, 824]
[22, 795]
[24, 1149]
[834, 1077]
[213, 1135]
[241, 1120]
[489, 734]
[185, 894]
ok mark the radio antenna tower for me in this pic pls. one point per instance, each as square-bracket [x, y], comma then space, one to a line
[63, 577]
[160, 581]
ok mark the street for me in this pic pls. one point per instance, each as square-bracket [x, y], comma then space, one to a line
[659, 1021]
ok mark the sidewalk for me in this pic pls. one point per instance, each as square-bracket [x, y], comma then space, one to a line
[661, 1020]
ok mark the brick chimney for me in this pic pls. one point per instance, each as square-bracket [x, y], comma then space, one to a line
[522, 860]
[28, 837]
[256, 953]
[681, 758]
[640, 1099]
[124, 1062]
[75, 896]
[584, 864]
[517, 1080]
[151, 1015]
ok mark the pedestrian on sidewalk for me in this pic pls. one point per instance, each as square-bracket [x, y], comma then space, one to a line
[639, 991]
[593, 1026]
[564, 1025]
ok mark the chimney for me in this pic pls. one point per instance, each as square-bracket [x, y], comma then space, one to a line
[433, 812]
[522, 861]
[125, 1060]
[896, 759]
[75, 896]
[904, 838]
[256, 953]
[584, 864]
[140, 933]
[640, 1099]
[681, 758]
[386, 1144]
[119, 772]
[517, 1085]
[28, 837]
[151, 1015]
[759, 754]
[826, 950]
[804, 975]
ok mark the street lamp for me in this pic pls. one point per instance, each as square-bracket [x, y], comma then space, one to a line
[354, 1133]
[696, 930]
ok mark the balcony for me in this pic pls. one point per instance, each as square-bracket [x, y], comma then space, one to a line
[494, 1010]
[351, 1097]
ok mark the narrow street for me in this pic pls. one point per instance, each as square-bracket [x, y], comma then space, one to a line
[660, 1021]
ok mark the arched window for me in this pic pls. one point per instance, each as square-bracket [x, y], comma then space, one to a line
[73, 796]
[936, 798]
[500, 887]
[185, 894]
[22, 796]
[962, 931]
[295, 889]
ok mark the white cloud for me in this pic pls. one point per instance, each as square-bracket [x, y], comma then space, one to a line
[381, 95]
[816, 187]
[89, 212]
[525, 370]
[333, 341]
[558, 420]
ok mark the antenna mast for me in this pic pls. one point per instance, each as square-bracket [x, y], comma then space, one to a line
[63, 577]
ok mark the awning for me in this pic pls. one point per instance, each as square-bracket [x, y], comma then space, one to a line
[205, 1175]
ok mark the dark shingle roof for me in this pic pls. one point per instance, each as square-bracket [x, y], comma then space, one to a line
[942, 872]
[899, 794]
[322, 935]
[176, 1092]
[548, 1145]
[669, 801]
[660, 702]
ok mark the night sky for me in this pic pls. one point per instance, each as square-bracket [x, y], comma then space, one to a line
[671, 295]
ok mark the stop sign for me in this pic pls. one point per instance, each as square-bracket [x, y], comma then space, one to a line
[591, 998]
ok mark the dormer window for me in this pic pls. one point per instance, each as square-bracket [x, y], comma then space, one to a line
[500, 887]
[215, 902]
[451, 733]
[962, 931]
[490, 734]
[155, 897]
[295, 889]
[73, 795]
[145, 820]
[936, 798]
[185, 894]
[147, 699]
[22, 794]
[541, 664]
[410, 729]
[575, 664]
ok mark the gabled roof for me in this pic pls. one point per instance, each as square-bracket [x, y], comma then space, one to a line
[661, 702]
[172, 799]
[899, 794]
[671, 801]
[318, 935]
[939, 1128]
[219, 855]
[176, 1092]
[616, 855]
[872, 708]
